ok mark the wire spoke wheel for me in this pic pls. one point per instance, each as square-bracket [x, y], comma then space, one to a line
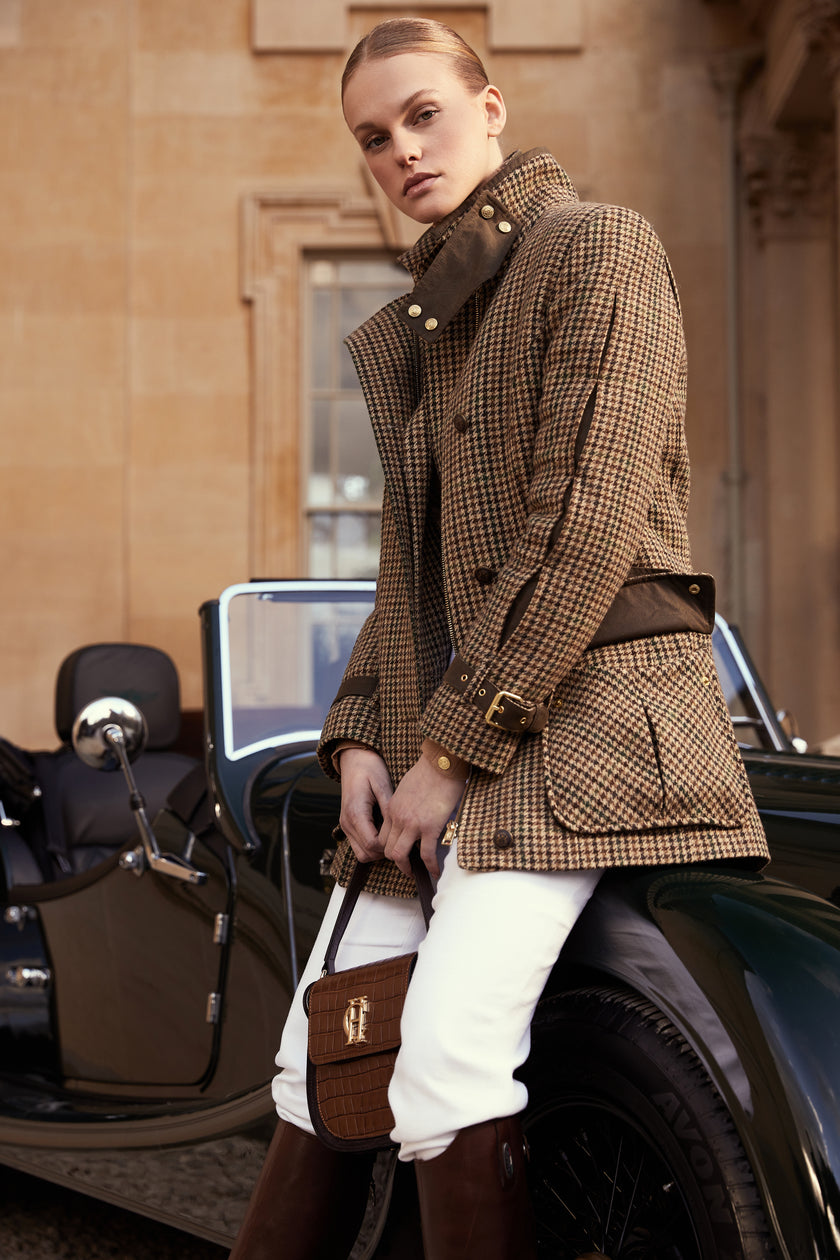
[633, 1153]
[601, 1189]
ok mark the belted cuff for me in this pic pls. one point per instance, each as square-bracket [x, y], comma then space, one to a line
[500, 708]
[353, 718]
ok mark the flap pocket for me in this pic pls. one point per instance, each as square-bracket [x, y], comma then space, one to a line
[639, 748]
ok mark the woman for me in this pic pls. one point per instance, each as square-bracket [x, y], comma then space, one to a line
[539, 658]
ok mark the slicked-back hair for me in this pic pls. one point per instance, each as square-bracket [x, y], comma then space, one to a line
[418, 35]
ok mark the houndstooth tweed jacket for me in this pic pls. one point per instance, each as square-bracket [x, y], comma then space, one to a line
[527, 399]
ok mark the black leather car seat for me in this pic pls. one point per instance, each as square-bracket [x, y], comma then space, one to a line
[86, 812]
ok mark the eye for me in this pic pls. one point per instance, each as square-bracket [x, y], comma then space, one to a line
[374, 142]
[427, 114]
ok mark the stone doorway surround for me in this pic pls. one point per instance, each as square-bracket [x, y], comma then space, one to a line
[278, 229]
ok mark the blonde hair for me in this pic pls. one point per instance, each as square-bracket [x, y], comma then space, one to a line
[418, 35]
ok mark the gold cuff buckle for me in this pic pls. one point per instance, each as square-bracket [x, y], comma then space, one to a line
[498, 707]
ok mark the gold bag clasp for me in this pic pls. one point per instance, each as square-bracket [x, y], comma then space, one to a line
[355, 1021]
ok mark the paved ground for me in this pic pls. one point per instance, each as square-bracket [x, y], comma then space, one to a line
[40, 1221]
[43, 1221]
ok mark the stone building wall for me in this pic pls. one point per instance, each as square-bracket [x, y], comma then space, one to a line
[164, 166]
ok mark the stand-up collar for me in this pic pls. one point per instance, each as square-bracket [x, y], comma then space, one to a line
[456, 256]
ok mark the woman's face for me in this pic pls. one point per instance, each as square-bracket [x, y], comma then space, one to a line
[428, 140]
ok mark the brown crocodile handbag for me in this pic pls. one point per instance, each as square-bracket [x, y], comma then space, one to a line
[354, 1033]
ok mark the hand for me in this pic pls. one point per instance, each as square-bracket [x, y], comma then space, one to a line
[419, 809]
[365, 784]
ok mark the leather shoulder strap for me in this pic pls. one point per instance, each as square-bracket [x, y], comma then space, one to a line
[425, 892]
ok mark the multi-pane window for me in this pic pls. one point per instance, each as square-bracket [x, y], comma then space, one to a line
[342, 473]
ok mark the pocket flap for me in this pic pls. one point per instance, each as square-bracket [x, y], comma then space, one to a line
[638, 748]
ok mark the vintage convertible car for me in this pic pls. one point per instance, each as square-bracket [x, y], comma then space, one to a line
[685, 1074]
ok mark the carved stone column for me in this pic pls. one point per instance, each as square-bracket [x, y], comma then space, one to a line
[790, 321]
[819, 21]
[728, 71]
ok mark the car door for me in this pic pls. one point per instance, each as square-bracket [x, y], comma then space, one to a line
[136, 961]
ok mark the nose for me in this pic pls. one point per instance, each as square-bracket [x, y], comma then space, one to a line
[406, 148]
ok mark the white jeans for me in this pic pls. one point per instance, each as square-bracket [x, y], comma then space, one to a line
[492, 942]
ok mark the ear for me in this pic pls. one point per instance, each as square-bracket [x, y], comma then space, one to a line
[494, 108]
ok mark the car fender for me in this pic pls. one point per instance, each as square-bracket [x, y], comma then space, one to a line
[748, 969]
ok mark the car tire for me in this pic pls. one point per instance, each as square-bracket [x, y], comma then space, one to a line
[633, 1153]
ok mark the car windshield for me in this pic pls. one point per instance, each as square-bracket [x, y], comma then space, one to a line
[284, 647]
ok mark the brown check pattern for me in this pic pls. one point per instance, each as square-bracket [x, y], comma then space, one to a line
[534, 456]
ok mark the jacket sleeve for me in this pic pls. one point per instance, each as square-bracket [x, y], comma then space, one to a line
[354, 714]
[612, 381]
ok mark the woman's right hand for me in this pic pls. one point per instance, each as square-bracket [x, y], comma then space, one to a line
[365, 784]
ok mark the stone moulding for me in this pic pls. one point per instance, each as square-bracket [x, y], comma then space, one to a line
[322, 26]
[278, 229]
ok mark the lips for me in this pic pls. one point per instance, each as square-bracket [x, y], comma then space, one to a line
[417, 184]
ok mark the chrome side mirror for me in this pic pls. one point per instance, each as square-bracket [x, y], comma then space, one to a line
[100, 723]
[111, 733]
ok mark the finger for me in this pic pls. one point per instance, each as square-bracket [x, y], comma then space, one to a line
[364, 853]
[399, 846]
[364, 842]
[428, 852]
[384, 832]
[383, 791]
[356, 819]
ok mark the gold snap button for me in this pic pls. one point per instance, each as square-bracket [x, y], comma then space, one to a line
[705, 680]
[504, 226]
[444, 763]
[415, 310]
[694, 589]
[431, 324]
[487, 212]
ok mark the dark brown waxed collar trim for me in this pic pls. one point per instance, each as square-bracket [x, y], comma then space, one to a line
[508, 183]
[511, 163]
[473, 254]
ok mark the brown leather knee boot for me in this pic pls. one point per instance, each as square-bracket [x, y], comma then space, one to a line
[474, 1202]
[308, 1202]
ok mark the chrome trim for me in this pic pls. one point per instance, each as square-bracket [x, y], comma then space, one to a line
[133, 860]
[22, 977]
[18, 914]
[103, 742]
[316, 586]
[766, 715]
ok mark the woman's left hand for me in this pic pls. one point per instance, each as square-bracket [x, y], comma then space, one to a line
[420, 808]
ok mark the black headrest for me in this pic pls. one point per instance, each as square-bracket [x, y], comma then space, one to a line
[144, 675]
